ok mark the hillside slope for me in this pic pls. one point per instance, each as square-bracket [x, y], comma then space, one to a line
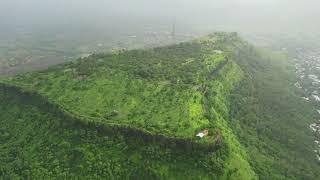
[134, 115]
[40, 143]
[155, 90]
[270, 117]
[162, 96]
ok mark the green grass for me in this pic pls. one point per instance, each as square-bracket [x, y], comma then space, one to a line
[36, 144]
[157, 90]
[173, 91]
[219, 108]
[134, 115]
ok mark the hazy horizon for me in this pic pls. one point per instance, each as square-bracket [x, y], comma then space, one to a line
[230, 15]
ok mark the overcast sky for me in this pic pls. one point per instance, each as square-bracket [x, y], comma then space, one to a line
[233, 15]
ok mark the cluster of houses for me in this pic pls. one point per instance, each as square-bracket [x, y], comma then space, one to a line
[307, 68]
[315, 127]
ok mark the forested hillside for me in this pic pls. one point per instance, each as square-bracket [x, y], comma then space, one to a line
[40, 142]
[271, 118]
[135, 115]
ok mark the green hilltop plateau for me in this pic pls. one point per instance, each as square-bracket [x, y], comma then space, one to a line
[135, 115]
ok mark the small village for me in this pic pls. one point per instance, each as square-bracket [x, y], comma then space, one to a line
[28, 52]
[307, 68]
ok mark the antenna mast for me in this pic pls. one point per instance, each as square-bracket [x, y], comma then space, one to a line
[173, 33]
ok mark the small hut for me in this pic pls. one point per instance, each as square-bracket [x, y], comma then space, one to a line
[203, 133]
